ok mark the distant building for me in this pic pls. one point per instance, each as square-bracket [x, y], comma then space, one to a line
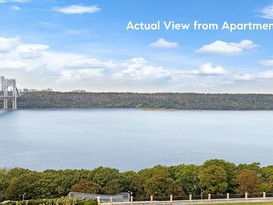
[78, 91]
[47, 90]
[26, 90]
[2, 81]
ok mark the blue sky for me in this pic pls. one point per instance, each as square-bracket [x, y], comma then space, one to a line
[67, 45]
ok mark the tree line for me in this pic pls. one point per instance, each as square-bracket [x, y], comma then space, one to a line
[215, 176]
[180, 101]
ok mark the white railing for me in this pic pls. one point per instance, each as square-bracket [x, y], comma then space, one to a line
[200, 199]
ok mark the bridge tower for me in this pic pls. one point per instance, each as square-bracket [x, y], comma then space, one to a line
[9, 95]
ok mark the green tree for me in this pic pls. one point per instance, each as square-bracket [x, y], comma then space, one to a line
[126, 180]
[53, 184]
[230, 169]
[83, 186]
[16, 172]
[138, 186]
[26, 183]
[267, 179]
[161, 184]
[187, 177]
[248, 181]
[157, 181]
[213, 179]
[106, 180]
[3, 183]
[255, 166]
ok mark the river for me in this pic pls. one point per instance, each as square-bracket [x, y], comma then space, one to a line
[130, 139]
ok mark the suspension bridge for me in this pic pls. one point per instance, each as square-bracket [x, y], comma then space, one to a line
[8, 93]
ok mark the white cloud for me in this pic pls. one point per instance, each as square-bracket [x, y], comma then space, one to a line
[8, 44]
[84, 69]
[81, 74]
[57, 62]
[162, 43]
[14, 65]
[15, 8]
[89, 63]
[243, 77]
[266, 74]
[67, 71]
[31, 51]
[267, 12]
[48, 24]
[91, 73]
[208, 69]
[68, 75]
[78, 9]
[268, 63]
[139, 69]
[225, 48]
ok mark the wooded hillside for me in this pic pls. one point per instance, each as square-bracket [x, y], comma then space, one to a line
[181, 101]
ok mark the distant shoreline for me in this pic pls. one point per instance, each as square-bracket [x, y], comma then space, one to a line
[145, 101]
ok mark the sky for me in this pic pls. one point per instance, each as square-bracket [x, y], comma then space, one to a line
[99, 46]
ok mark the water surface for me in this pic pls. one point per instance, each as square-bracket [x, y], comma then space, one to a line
[132, 139]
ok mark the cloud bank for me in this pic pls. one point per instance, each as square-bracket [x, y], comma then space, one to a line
[78, 9]
[8, 44]
[68, 71]
[208, 69]
[268, 63]
[267, 12]
[225, 48]
[162, 43]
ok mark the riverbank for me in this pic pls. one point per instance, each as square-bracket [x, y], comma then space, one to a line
[146, 101]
